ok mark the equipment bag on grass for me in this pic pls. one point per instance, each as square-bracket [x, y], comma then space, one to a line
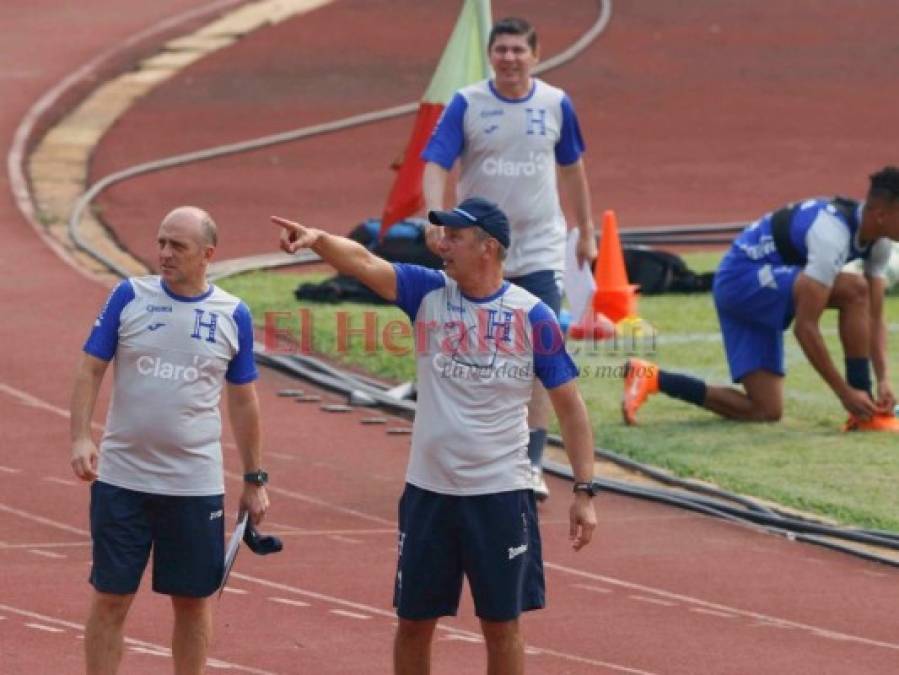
[662, 272]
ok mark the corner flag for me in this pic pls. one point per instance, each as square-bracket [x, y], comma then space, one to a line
[463, 62]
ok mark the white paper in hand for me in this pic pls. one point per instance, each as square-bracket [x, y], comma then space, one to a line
[233, 547]
[579, 282]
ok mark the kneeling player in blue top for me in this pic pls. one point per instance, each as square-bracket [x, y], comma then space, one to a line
[468, 508]
[787, 268]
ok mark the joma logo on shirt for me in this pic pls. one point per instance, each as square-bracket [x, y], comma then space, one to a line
[154, 366]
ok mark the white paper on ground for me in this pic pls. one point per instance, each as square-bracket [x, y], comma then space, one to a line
[233, 547]
[578, 281]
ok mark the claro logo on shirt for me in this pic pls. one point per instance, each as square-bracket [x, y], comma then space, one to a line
[154, 366]
[538, 162]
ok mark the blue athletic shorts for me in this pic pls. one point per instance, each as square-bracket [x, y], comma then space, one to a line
[755, 306]
[185, 534]
[544, 285]
[492, 539]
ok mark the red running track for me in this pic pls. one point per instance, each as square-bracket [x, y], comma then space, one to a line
[660, 591]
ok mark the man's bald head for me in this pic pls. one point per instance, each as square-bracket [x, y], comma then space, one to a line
[196, 221]
[186, 243]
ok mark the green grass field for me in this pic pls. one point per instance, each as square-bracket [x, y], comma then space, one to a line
[803, 462]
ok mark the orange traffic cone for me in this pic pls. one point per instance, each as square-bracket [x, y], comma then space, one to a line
[614, 297]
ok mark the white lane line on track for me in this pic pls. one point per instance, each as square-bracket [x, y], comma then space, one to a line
[279, 455]
[9, 469]
[287, 531]
[39, 403]
[288, 601]
[814, 561]
[46, 544]
[47, 629]
[149, 651]
[712, 612]
[236, 591]
[46, 554]
[33, 401]
[652, 601]
[300, 496]
[342, 539]
[815, 630]
[44, 521]
[131, 642]
[592, 589]
[460, 638]
[761, 623]
[350, 615]
[377, 611]
[60, 481]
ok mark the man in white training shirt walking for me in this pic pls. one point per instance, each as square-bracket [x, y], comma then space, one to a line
[468, 508]
[513, 135]
[156, 481]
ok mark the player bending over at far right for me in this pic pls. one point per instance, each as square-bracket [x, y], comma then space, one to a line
[785, 266]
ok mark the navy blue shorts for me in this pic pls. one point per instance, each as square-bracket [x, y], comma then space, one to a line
[492, 539]
[185, 534]
[544, 285]
[755, 305]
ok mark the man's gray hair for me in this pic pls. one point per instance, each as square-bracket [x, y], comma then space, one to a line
[210, 230]
[483, 235]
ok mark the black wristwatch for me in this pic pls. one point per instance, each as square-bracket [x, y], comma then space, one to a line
[258, 477]
[587, 488]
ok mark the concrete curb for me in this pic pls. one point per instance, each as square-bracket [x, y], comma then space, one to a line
[58, 168]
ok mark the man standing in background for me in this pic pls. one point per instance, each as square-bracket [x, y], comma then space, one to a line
[510, 134]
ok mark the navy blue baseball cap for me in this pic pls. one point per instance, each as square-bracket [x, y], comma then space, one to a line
[476, 212]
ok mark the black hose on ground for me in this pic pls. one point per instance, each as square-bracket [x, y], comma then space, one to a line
[691, 495]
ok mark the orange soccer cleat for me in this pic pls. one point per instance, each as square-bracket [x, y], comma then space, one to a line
[878, 422]
[641, 378]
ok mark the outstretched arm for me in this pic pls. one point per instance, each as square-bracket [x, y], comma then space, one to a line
[577, 434]
[345, 255]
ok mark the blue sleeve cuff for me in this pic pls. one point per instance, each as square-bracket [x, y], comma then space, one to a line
[448, 139]
[413, 283]
[570, 145]
[242, 368]
[104, 337]
[552, 363]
